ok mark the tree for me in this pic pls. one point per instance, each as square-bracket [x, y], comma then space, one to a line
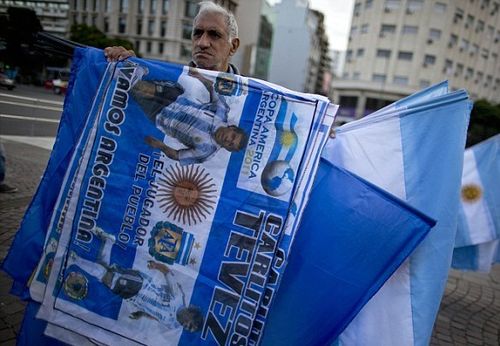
[484, 122]
[91, 36]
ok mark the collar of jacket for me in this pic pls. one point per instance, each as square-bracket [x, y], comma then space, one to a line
[231, 69]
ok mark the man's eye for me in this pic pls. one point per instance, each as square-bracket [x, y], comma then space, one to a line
[214, 34]
[197, 33]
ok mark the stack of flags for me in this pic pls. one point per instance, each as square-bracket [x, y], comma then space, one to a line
[306, 240]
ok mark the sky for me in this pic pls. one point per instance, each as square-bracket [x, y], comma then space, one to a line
[338, 15]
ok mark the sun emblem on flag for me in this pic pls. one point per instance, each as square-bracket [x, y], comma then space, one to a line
[76, 285]
[186, 194]
[288, 138]
[471, 193]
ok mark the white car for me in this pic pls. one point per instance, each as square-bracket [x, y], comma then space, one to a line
[7, 82]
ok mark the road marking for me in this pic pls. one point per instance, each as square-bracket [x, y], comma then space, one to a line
[32, 99]
[32, 106]
[20, 117]
[40, 142]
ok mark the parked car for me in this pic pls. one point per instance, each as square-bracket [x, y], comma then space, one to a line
[59, 86]
[7, 82]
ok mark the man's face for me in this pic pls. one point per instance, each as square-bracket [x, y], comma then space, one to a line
[210, 40]
[229, 138]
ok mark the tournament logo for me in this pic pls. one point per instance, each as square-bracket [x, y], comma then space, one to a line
[76, 285]
[277, 178]
[471, 193]
[228, 84]
[170, 244]
[186, 194]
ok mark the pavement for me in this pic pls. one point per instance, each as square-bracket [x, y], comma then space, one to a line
[469, 312]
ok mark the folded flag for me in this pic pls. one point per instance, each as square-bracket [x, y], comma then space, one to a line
[158, 232]
[416, 153]
[352, 237]
[478, 232]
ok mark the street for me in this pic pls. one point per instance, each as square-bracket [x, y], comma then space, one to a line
[29, 117]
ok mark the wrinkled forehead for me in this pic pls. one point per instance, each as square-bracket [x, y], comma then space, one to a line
[211, 21]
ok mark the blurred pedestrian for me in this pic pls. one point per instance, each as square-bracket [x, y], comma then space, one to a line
[4, 188]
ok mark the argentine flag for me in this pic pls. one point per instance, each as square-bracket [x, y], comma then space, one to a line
[478, 231]
[414, 151]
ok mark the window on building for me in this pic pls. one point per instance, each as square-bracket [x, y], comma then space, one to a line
[490, 32]
[460, 70]
[464, 45]
[122, 25]
[151, 27]
[453, 40]
[356, 76]
[485, 53]
[106, 24]
[434, 34]
[409, 30]
[123, 6]
[357, 9]
[400, 80]
[164, 6]
[354, 30]
[152, 6]
[390, 5]
[469, 23]
[470, 73]
[94, 20]
[489, 81]
[459, 16]
[497, 84]
[161, 47]
[387, 29]
[408, 56]
[374, 104]
[368, 4]
[423, 83]
[163, 28]
[429, 60]
[439, 7]
[94, 5]
[480, 26]
[107, 5]
[185, 51]
[497, 37]
[479, 77]
[84, 19]
[360, 52]
[187, 29]
[348, 108]
[348, 55]
[448, 67]
[139, 27]
[191, 8]
[379, 78]
[84, 7]
[148, 47]
[137, 46]
[383, 53]
[414, 5]
[474, 49]
[364, 28]
[485, 4]
[140, 7]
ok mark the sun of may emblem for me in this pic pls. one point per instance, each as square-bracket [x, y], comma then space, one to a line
[471, 193]
[186, 194]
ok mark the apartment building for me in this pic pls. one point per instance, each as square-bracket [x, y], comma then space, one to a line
[300, 58]
[53, 14]
[159, 29]
[397, 47]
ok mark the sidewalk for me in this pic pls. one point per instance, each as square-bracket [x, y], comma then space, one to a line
[469, 314]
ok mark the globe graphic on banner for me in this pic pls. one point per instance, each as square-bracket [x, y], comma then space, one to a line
[277, 178]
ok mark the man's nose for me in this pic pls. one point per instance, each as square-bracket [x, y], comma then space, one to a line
[204, 41]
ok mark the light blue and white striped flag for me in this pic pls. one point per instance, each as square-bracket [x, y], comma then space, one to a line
[416, 153]
[478, 233]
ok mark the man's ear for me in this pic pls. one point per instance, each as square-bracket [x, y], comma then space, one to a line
[235, 43]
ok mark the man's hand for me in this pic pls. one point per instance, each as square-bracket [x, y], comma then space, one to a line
[117, 53]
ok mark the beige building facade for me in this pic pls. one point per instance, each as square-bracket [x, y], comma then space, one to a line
[159, 29]
[397, 47]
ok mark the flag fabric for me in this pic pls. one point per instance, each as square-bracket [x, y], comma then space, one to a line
[156, 233]
[352, 237]
[478, 233]
[416, 153]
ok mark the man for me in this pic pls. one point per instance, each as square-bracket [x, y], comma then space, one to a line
[151, 296]
[4, 188]
[214, 40]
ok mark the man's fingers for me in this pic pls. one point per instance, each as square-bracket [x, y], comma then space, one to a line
[117, 53]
